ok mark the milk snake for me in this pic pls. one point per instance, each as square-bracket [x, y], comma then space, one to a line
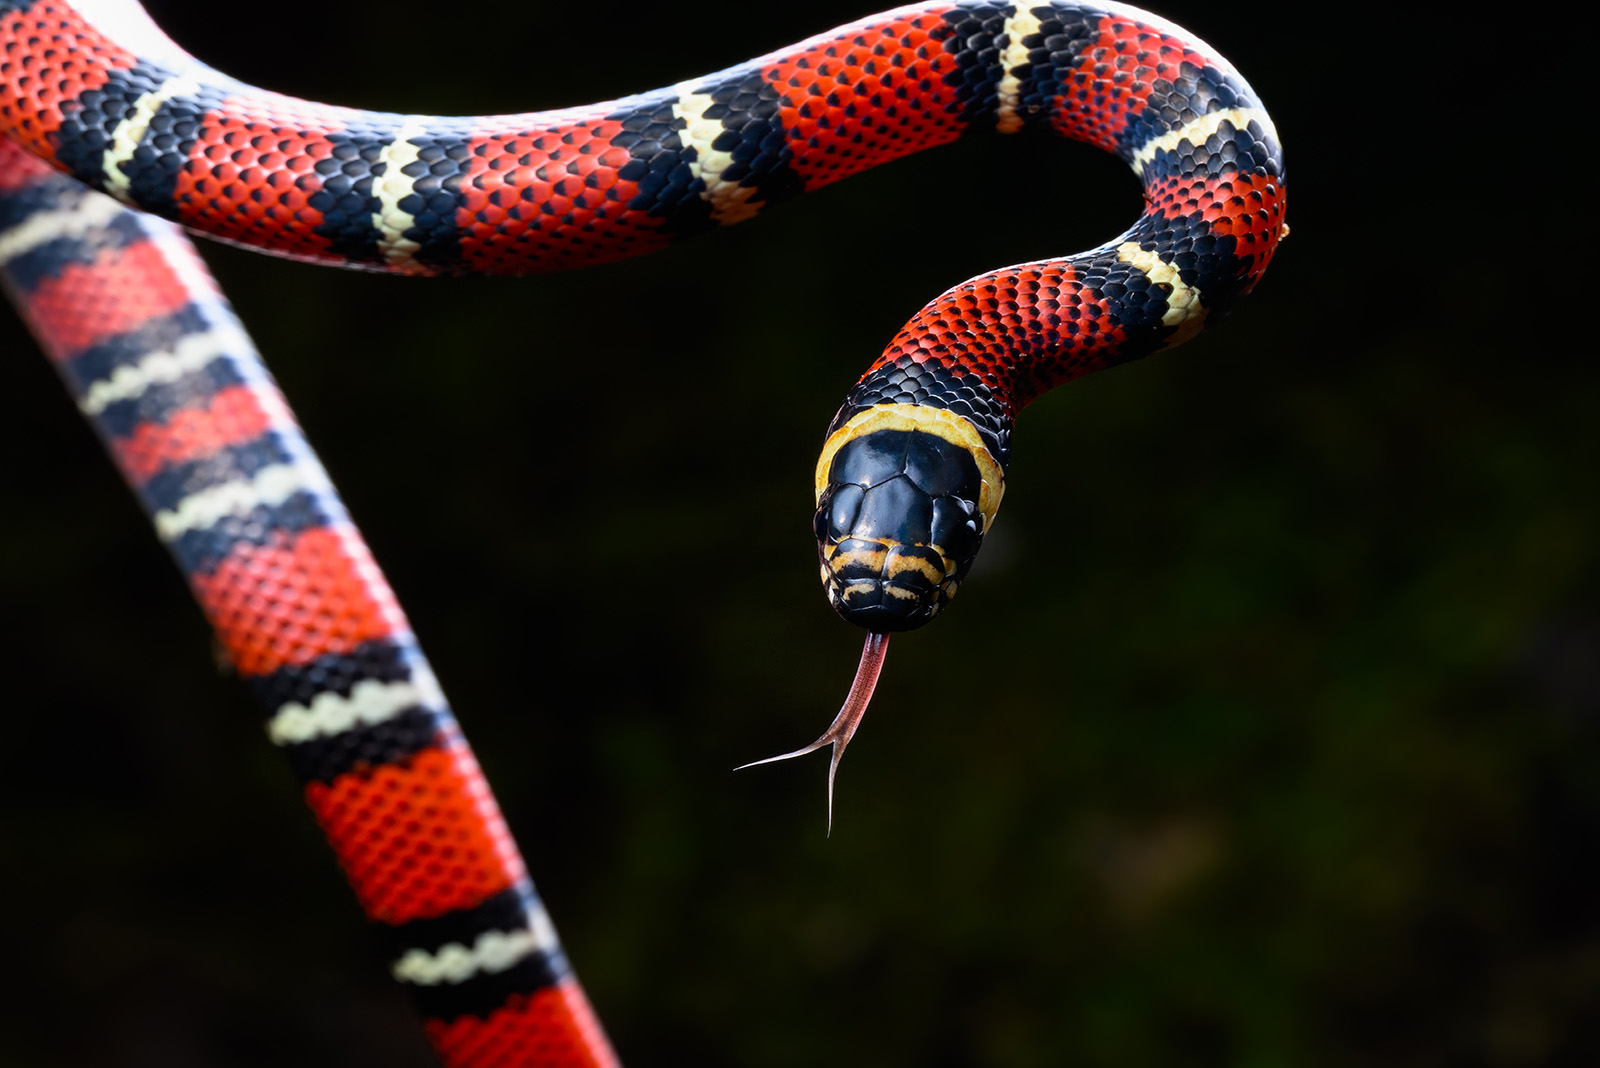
[913, 466]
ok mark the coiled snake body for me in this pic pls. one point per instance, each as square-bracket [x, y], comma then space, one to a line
[913, 466]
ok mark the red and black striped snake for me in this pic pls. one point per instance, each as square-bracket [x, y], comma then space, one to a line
[911, 473]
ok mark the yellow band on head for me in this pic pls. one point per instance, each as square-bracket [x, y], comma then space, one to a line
[958, 430]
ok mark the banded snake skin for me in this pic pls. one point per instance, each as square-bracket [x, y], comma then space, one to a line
[155, 359]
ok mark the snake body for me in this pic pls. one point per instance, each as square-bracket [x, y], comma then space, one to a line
[913, 466]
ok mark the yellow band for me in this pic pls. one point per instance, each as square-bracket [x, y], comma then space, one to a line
[940, 422]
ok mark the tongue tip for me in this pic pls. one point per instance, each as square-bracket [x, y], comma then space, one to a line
[844, 725]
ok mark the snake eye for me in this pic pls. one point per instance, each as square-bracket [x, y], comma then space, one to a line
[957, 528]
[838, 512]
[897, 527]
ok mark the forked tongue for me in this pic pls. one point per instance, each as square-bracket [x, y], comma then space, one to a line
[845, 723]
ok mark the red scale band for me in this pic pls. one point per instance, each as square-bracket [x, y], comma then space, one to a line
[417, 839]
[1246, 207]
[294, 600]
[845, 105]
[51, 58]
[232, 417]
[251, 181]
[87, 303]
[557, 195]
[553, 1028]
[1042, 305]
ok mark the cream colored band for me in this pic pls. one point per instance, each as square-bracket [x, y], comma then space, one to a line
[127, 134]
[391, 188]
[1021, 25]
[1184, 309]
[730, 202]
[1197, 131]
[956, 429]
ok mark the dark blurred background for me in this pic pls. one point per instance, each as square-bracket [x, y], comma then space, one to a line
[1265, 733]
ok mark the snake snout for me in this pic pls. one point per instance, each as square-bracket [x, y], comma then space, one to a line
[898, 526]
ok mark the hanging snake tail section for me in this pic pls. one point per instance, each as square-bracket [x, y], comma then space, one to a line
[156, 360]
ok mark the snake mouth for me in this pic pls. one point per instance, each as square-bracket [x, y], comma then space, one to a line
[886, 585]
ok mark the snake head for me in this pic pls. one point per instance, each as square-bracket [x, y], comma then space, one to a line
[904, 495]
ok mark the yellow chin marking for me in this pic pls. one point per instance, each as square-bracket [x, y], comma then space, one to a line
[879, 560]
[872, 558]
[921, 565]
[956, 429]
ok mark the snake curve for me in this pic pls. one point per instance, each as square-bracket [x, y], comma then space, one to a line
[912, 469]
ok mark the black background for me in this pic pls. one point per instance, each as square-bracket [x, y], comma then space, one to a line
[1264, 733]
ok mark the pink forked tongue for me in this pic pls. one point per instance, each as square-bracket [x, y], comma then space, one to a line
[849, 718]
